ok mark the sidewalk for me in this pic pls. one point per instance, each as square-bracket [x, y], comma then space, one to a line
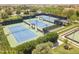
[57, 44]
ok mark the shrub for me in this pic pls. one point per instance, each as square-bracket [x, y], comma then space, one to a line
[52, 37]
[29, 46]
[44, 48]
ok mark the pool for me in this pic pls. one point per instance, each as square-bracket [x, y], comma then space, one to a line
[21, 33]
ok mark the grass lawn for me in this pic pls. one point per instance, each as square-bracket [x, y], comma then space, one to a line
[4, 45]
[1, 20]
[66, 28]
[6, 49]
[61, 50]
[11, 18]
[14, 17]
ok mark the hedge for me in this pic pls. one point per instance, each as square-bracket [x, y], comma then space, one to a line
[29, 46]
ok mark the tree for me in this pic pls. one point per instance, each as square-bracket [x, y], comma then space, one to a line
[4, 15]
[66, 46]
[73, 18]
[53, 10]
[18, 12]
[44, 48]
[8, 11]
[66, 41]
[52, 37]
[70, 13]
[77, 12]
[26, 12]
[28, 47]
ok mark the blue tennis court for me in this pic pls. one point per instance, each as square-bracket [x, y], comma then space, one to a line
[21, 33]
[16, 28]
[39, 23]
[48, 18]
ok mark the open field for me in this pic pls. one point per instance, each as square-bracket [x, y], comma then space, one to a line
[61, 50]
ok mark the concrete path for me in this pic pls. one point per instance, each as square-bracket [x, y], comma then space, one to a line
[57, 44]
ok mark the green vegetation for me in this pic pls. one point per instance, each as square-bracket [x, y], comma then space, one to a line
[18, 12]
[14, 17]
[14, 12]
[66, 28]
[11, 18]
[4, 15]
[26, 12]
[71, 14]
[44, 48]
[61, 50]
[52, 37]
[26, 47]
[53, 10]
[66, 46]
[77, 12]
[29, 46]
[7, 11]
[42, 44]
[4, 45]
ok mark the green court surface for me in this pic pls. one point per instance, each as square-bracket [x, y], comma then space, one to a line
[74, 36]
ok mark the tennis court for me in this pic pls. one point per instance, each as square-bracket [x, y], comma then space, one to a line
[39, 23]
[74, 36]
[48, 18]
[16, 28]
[20, 33]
